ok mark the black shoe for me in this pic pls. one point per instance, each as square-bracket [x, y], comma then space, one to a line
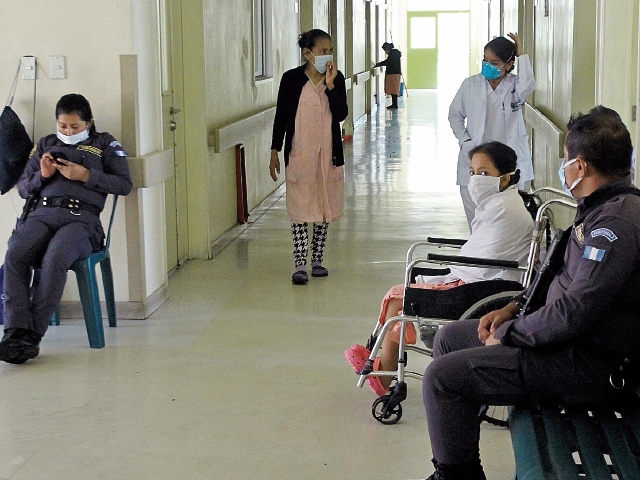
[299, 277]
[467, 471]
[392, 107]
[19, 345]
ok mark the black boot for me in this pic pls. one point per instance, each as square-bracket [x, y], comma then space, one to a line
[466, 471]
[19, 345]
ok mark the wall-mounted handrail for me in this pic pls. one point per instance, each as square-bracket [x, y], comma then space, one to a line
[238, 132]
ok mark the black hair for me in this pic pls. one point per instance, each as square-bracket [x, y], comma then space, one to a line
[504, 49]
[502, 156]
[602, 139]
[310, 38]
[532, 203]
[76, 103]
[387, 44]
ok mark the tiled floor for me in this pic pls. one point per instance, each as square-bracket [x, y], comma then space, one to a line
[240, 374]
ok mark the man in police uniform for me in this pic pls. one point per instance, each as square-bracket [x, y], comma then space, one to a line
[566, 351]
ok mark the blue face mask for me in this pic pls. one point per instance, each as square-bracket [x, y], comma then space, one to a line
[563, 180]
[489, 71]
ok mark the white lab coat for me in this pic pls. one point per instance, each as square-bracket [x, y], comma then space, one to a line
[501, 229]
[470, 104]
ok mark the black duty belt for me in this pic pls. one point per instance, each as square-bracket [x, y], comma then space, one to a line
[76, 206]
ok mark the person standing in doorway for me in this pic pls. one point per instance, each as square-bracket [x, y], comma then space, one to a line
[312, 101]
[488, 107]
[392, 74]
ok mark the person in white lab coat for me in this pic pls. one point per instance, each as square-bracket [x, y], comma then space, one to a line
[488, 107]
[501, 229]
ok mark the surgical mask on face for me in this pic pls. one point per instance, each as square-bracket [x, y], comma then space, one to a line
[563, 180]
[482, 187]
[73, 139]
[320, 62]
[489, 71]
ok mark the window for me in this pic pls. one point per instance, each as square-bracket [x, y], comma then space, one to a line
[423, 32]
[262, 58]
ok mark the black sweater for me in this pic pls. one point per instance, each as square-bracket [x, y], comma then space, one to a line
[288, 98]
[392, 62]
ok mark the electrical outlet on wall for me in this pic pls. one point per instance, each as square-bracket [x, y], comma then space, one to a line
[28, 67]
[57, 69]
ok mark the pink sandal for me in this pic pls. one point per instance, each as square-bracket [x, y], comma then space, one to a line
[357, 356]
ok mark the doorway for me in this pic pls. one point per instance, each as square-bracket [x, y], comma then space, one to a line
[422, 54]
[438, 53]
[175, 187]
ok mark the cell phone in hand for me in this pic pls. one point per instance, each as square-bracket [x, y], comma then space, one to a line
[57, 155]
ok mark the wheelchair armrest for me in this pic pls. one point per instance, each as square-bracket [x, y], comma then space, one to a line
[473, 261]
[455, 242]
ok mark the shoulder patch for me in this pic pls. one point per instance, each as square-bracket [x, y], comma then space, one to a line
[591, 253]
[121, 153]
[90, 149]
[115, 144]
[604, 232]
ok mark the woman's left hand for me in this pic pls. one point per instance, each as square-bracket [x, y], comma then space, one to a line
[73, 171]
[331, 75]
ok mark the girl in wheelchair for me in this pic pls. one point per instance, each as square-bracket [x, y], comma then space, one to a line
[501, 229]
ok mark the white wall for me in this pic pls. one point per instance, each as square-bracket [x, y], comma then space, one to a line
[33, 27]
[92, 36]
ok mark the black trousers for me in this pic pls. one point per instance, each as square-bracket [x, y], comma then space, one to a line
[50, 239]
[465, 374]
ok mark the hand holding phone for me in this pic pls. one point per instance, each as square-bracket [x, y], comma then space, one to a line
[57, 156]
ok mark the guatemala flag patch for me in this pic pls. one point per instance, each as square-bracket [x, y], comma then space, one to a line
[591, 253]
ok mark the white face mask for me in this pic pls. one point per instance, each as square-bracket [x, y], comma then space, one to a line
[320, 62]
[73, 139]
[482, 187]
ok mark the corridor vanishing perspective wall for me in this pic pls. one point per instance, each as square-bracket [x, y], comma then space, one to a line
[583, 53]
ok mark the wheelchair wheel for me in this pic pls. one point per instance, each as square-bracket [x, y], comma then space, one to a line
[384, 415]
[497, 416]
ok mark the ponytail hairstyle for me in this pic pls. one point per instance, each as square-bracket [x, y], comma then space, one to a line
[74, 103]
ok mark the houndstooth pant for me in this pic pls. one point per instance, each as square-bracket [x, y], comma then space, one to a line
[301, 242]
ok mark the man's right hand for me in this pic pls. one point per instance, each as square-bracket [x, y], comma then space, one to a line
[492, 320]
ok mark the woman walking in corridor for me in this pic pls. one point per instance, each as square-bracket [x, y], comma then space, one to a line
[312, 101]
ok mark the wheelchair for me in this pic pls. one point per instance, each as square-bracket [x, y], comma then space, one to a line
[431, 309]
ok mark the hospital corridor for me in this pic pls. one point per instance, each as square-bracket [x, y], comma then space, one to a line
[228, 361]
[241, 374]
